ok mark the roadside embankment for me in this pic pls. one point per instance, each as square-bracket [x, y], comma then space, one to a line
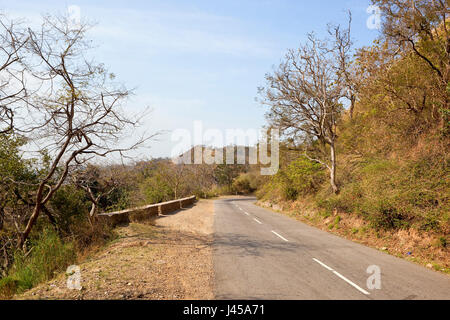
[168, 258]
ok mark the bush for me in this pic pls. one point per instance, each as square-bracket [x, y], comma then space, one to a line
[290, 193]
[300, 177]
[8, 287]
[443, 242]
[242, 184]
[430, 222]
[84, 234]
[270, 190]
[386, 216]
[155, 190]
[69, 203]
[304, 176]
[72, 212]
[333, 202]
[49, 255]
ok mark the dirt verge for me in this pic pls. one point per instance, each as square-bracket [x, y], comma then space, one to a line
[169, 260]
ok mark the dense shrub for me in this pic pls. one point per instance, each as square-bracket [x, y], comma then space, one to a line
[300, 177]
[49, 255]
[392, 194]
[69, 203]
[305, 176]
[155, 190]
[243, 184]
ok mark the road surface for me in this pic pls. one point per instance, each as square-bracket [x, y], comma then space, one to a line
[260, 254]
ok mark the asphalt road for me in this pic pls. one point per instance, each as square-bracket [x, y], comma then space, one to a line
[260, 254]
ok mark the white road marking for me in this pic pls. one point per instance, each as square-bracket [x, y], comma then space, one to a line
[322, 264]
[342, 277]
[257, 220]
[280, 236]
[242, 210]
[351, 283]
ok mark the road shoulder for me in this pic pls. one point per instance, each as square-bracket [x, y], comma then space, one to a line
[169, 260]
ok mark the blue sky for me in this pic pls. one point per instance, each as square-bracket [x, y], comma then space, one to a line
[199, 60]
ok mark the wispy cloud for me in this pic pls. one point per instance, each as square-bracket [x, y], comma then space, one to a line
[185, 32]
[157, 30]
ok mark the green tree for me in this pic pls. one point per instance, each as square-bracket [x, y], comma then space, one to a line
[226, 173]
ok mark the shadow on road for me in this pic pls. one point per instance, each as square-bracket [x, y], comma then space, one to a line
[242, 245]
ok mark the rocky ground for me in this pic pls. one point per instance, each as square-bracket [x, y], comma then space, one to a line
[169, 260]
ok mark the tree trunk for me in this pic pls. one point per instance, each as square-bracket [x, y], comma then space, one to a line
[44, 209]
[50, 217]
[2, 214]
[36, 211]
[31, 222]
[333, 169]
[352, 105]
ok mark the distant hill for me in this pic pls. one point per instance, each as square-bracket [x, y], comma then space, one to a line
[200, 151]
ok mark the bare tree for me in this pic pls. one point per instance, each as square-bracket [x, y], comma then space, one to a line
[12, 71]
[305, 95]
[345, 64]
[97, 182]
[175, 176]
[77, 114]
[200, 178]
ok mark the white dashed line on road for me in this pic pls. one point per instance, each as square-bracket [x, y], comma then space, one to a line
[351, 283]
[257, 220]
[242, 209]
[342, 277]
[280, 236]
[323, 264]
